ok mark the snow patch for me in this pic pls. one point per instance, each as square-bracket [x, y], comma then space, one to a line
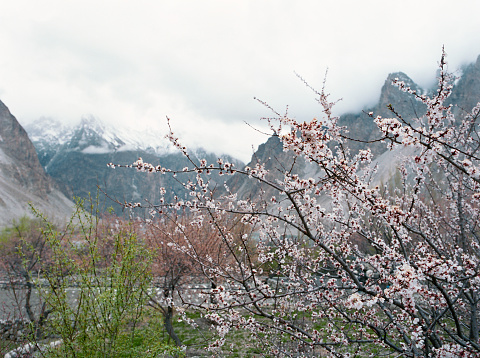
[50, 135]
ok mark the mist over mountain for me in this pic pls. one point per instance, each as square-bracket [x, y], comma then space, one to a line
[361, 128]
[77, 156]
[465, 95]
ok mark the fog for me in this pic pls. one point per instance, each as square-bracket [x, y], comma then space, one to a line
[202, 63]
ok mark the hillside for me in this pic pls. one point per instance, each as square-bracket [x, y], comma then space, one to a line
[22, 178]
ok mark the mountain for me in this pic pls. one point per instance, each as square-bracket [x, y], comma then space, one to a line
[358, 126]
[465, 95]
[91, 136]
[22, 178]
[466, 92]
[78, 156]
[361, 126]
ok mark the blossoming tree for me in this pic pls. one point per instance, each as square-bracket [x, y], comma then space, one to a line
[412, 288]
[178, 274]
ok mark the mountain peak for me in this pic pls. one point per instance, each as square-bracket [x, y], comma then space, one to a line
[92, 122]
[401, 76]
[403, 102]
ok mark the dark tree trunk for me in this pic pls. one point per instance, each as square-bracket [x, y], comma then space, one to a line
[168, 316]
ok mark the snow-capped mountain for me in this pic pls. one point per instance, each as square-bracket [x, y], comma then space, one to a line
[77, 157]
[48, 135]
[91, 136]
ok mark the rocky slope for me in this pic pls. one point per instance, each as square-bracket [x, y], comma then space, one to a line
[22, 178]
[465, 95]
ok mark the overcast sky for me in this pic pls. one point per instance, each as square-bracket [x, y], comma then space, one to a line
[202, 62]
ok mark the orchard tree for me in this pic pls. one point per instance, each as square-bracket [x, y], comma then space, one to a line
[24, 253]
[414, 288]
[182, 251]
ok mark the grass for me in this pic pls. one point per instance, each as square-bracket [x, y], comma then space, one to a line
[8, 345]
[148, 338]
[239, 343]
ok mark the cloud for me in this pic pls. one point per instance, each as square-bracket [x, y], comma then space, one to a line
[201, 63]
[91, 149]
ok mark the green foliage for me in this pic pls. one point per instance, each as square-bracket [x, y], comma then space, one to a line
[95, 286]
[148, 341]
[18, 229]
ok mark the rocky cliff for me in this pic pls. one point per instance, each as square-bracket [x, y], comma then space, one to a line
[466, 92]
[22, 178]
[361, 126]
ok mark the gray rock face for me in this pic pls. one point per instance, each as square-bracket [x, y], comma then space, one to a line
[466, 92]
[19, 158]
[22, 178]
[361, 126]
[272, 155]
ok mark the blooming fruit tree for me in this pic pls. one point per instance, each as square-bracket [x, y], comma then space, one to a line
[341, 265]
